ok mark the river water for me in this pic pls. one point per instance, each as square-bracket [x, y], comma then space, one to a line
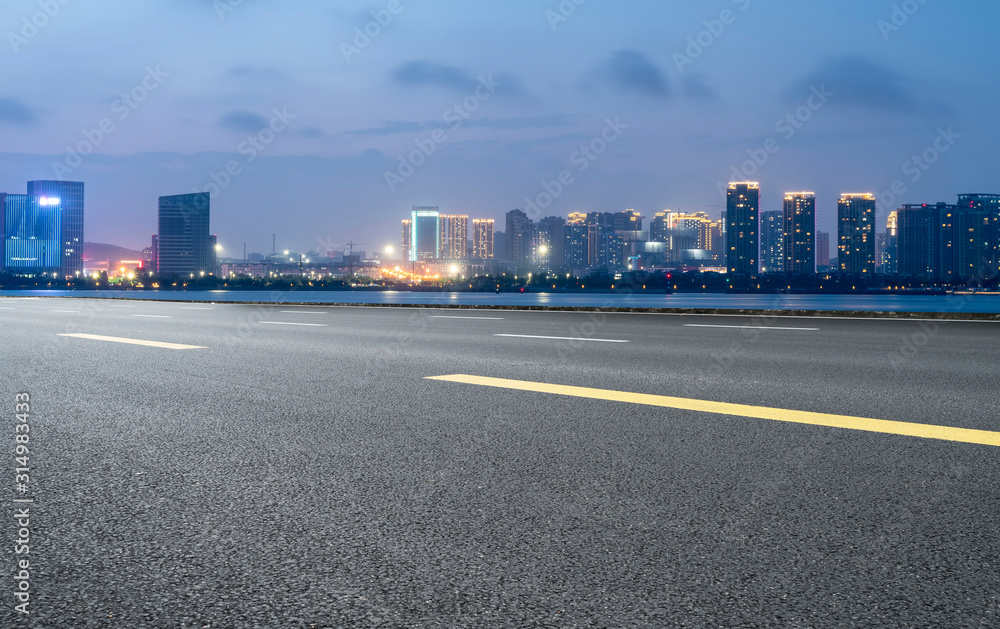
[884, 303]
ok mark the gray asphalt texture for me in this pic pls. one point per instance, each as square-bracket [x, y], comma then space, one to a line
[293, 476]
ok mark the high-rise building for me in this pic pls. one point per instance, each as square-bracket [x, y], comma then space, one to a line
[925, 247]
[150, 253]
[575, 250]
[499, 243]
[519, 236]
[550, 242]
[183, 241]
[889, 252]
[977, 236]
[822, 249]
[482, 239]
[442, 235]
[70, 195]
[690, 231]
[743, 228]
[659, 227]
[772, 245]
[595, 241]
[687, 235]
[425, 234]
[800, 232]
[458, 236]
[627, 221]
[718, 232]
[407, 241]
[31, 235]
[856, 234]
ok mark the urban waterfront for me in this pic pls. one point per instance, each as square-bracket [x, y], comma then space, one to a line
[939, 304]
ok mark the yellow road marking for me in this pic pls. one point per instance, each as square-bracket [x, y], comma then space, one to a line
[925, 431]
[115, 339]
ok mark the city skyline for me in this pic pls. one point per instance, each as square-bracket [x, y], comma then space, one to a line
[650, 118]
[940, 242]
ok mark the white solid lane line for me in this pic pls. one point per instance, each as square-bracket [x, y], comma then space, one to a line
[748, 327]
[71, 311]
[115, 339]
[300, 312]
[474, 318]
[190, 308]
[311, 325]
[561, 338]
[119, 306]
[154, 316]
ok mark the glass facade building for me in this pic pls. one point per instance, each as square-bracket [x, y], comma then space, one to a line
[70, 195]
[184, 244]
[425, 239]
[31, 234]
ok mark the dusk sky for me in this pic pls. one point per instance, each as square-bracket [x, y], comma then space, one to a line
[894, 86]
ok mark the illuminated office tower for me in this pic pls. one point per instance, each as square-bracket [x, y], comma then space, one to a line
[31, 235]
[183, 240]
[799, 231]
[856, 234]
[482, 239]
[70, 196]
[425, 238]
[743, 228]
[772, 246]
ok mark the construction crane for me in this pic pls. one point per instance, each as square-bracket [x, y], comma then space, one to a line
[350, 255]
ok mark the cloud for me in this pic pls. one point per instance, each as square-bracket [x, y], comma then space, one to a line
[14, 112]
[856, 81]
[536, 122]
[420, 73]
[312, 133]
[428, 74]
[631, 71]
[243, 122]
[696, 88]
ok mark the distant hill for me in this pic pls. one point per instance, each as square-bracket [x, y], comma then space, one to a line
[100, 251]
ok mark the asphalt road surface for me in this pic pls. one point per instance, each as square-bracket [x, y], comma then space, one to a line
[200, 465]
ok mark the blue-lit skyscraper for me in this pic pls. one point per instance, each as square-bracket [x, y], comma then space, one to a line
[425, 237]
[31, 235]
[70, 195]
